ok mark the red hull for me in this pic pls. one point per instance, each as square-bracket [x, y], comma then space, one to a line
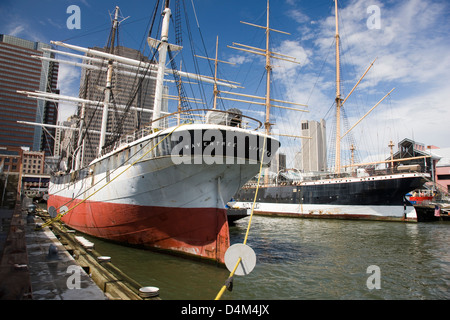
[420, 199]
[201, 232]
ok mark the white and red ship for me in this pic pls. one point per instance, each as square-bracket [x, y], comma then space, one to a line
[167, 187]
[156, 201]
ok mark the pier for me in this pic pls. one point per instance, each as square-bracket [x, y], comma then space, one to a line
[50, 264]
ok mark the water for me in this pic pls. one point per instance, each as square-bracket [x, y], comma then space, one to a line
[309, 260]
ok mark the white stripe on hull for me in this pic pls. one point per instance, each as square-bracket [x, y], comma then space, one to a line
[339, 211]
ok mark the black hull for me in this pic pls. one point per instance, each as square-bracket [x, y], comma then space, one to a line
[234, 215]
[372, 198]
[388, 191]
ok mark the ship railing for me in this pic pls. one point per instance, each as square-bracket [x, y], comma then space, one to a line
[329, 175]
[232, 118]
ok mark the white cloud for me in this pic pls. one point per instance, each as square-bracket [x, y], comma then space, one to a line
[16, 30]
[239, 59]
[298, 16]
[21, 29]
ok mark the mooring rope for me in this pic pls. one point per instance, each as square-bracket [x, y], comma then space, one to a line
[230, 277]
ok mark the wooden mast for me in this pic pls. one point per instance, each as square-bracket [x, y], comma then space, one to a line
[337, 165]
[268, 55]
[216, 92]
[216, 61]
[268, 73]
[340, 101]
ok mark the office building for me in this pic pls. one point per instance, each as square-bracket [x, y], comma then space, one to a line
[132, 95]
[20, 71]
[314, 150]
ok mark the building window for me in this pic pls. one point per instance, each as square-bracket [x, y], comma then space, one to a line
[443, 176]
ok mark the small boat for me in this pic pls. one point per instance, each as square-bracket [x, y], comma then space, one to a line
[420, 196]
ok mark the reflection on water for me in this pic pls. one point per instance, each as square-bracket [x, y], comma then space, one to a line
[307, 259]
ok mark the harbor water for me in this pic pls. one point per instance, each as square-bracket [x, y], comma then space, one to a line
[308, 259]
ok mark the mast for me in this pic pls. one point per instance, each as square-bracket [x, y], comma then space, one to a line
[80, 144]
[108, 84]
[216, 90]
[163, 44]
[268, 55]
[338, 97]
[267, 124]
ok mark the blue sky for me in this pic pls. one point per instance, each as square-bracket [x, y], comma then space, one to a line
[411, 45]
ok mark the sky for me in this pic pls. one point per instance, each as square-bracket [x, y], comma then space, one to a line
[410, 40]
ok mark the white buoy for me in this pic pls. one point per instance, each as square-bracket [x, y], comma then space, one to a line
[147, 292]
[247, 255]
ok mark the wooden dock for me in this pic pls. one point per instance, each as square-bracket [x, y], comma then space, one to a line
[50, 264]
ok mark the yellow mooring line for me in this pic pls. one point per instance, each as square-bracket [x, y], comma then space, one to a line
[60, 215]
[230, 277]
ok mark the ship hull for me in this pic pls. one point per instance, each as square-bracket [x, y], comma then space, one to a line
[369, 198]
[198, 232]
[156, 200]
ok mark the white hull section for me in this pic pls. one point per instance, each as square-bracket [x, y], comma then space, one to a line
[372, 212]
[158, 182]
[149, 176]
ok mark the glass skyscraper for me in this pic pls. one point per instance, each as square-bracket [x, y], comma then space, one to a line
[20, 71]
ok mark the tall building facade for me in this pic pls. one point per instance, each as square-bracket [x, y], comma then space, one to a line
[132, 97]
[314, 150]
[20, 71]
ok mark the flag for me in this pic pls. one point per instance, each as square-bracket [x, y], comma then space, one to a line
[437, 211]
